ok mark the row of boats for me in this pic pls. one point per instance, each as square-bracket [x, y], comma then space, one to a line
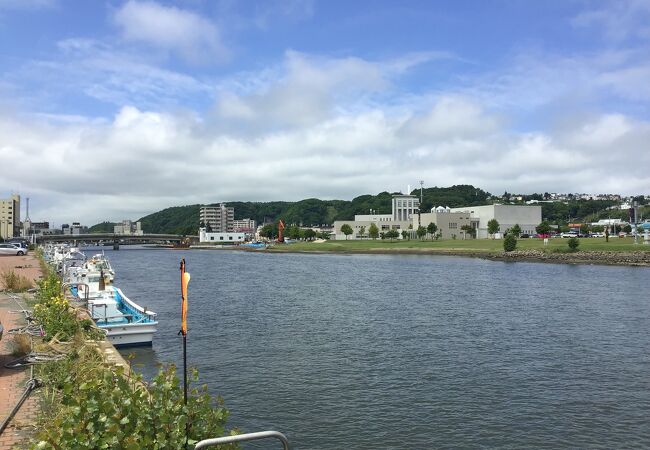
[90, 279]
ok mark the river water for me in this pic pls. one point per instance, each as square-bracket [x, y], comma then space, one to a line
[407, 352]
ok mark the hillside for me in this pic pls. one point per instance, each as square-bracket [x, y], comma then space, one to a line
[311, 211]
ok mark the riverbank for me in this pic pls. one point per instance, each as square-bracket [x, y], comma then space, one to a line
[618, 251]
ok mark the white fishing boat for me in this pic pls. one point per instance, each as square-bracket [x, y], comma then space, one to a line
[127, 324]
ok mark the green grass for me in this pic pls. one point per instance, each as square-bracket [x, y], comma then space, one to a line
[469, 246]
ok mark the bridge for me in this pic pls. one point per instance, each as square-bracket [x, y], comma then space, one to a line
[115, 239]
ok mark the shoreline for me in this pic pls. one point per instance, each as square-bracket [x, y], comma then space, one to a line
[609, 258]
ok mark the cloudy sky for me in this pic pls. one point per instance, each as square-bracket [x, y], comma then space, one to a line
[113, 110]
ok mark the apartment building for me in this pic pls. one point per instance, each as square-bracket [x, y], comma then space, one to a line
[10, 217]
[217, 219]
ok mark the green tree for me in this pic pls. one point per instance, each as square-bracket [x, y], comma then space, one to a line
[516, 230]
[493, 227]
[431, 229]
[325, 235]
[392, 234]
[468, 229]
[627, 228]
[543, 228]
[293, 232]
[584, 228]
[270, 231]
[362, 231]
[373, 231]
[405, 234]
[421, 232]
[510, 243]
[346, 230]
[310, 234]
[382, 235]
[573, 244]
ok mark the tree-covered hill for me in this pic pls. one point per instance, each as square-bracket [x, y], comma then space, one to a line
[312, 211]
[103, 227]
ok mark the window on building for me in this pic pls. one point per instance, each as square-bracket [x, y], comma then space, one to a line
[221, 238]
[385, 227]
[453, 225]
[212, 238]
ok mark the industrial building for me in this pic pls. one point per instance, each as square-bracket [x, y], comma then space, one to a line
[527, 217]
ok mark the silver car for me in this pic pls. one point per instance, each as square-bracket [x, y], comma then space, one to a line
[11, 249]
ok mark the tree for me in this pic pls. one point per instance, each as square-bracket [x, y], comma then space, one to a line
[310, 234]
[493, 227]
[405, 234]
[584, 228]
[468, 229]
[421, 231]
[432, 228]
[293, 232]
[510, 243]
[543, 228]
[270, 231]
[516, 230]
[346, 230]
[373, 231]
[325, 235]
[362, 231]
[382, 235]
[573, 244]
[392, 234]
[627, 228]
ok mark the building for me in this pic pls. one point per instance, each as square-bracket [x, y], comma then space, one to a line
[221, 238]
[127, 227]
[10, 217]
[244, 225]
[404, 210]
[527, 217]
[450, 224]
[217, 219]
[74, 230]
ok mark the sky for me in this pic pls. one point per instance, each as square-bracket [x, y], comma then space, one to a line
[113, 110]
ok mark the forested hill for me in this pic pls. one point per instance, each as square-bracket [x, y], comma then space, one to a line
[311, 211]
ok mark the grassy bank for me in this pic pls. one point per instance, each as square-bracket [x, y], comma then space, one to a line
[470, 246]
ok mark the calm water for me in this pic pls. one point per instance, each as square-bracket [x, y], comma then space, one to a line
[408, 352]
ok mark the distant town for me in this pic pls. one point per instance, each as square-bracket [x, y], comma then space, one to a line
[217, 223]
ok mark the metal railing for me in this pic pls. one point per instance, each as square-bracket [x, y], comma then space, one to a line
[244, 437]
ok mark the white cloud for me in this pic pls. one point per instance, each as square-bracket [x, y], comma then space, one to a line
[191, 36]
[143, 161]
[618, 20]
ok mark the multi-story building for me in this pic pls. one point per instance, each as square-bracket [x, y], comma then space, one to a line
[527, 217]
[217, 219]
[127, 227]
[449, 224]
[244, 225]
[10, 217]
[404, 209]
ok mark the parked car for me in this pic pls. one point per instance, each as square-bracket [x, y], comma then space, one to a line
[12, 249]
[570, 234]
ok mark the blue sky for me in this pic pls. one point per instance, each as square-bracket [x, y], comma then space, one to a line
[120, 108]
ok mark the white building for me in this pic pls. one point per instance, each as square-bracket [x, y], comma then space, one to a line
[221, 238]
[244, 225]
[404, 209]
[450, 224]
[527, 217]
[128, 228]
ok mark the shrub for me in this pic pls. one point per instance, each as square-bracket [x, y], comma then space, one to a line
[510, 243]
[11, 281]
[573, 244]
[107, 408]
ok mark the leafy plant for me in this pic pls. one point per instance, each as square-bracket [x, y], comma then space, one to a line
[104, 407]
[573, 244]
[509, 243]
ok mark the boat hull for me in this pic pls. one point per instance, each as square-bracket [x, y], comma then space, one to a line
[130, 335]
